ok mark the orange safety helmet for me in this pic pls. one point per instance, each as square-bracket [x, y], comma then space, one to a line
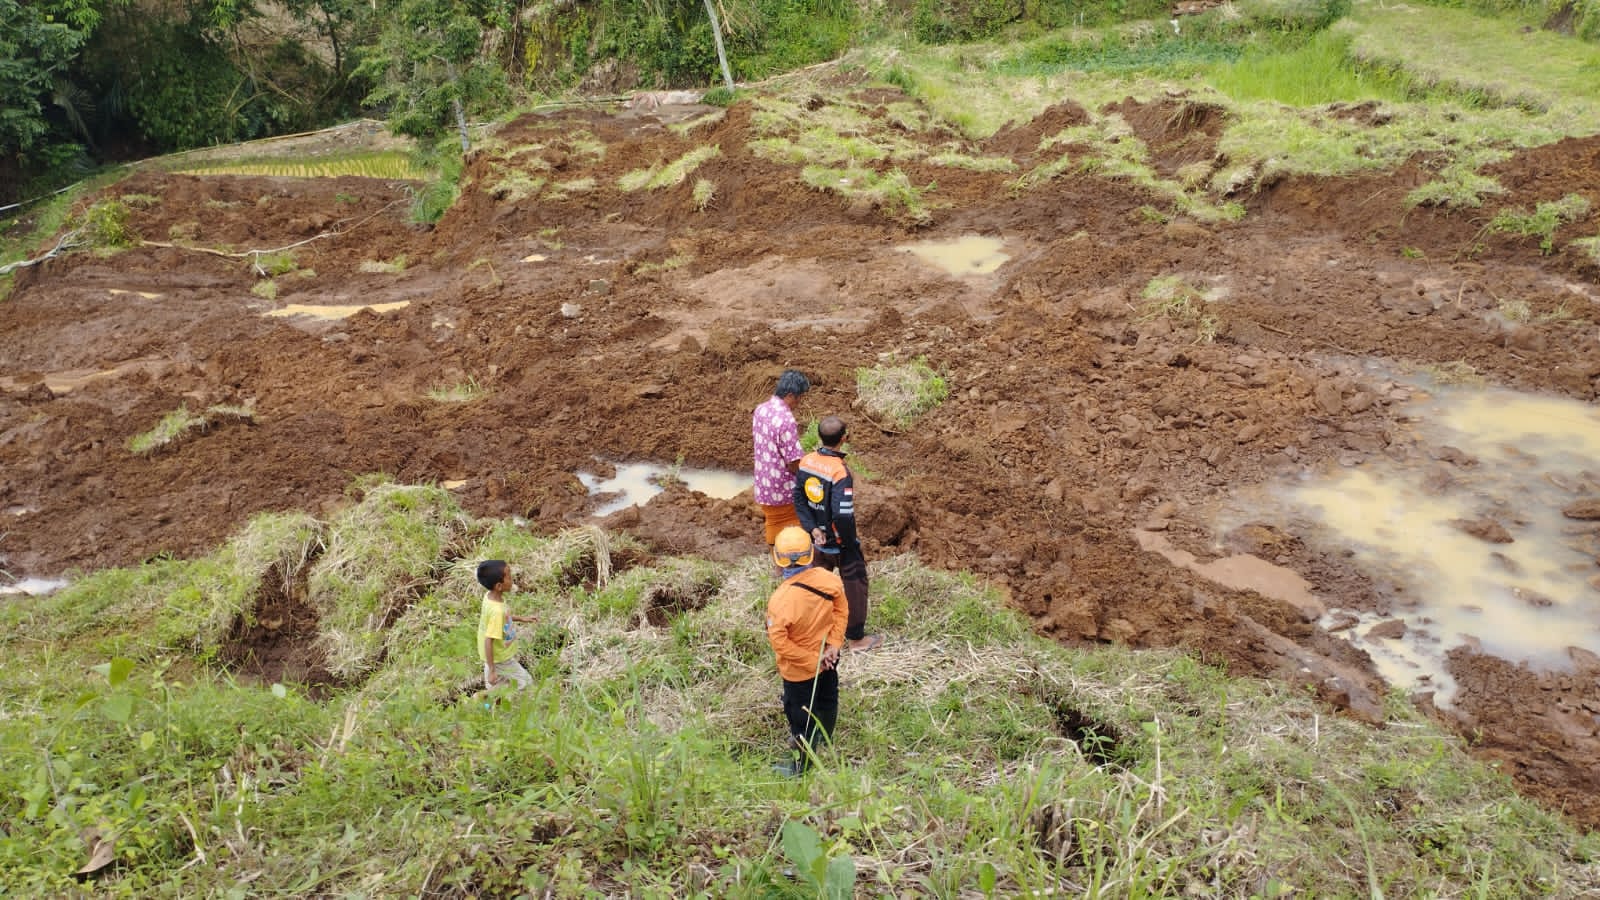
[792, 548]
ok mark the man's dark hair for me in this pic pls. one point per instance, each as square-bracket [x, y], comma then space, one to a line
[491, 572]
[791, 382]
[831, 431]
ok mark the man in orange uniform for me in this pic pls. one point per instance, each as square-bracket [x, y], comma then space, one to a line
[825, 503]
[805, 625]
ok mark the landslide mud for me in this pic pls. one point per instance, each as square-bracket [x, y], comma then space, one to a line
[1074, 418]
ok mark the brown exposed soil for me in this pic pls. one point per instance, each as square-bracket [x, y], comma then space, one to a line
[1073, 420]
[277, 641]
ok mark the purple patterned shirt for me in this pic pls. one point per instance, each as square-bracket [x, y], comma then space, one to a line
[777, 442]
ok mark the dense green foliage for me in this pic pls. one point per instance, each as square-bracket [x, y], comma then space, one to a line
[427, 68]
[98, 79]
[109, 79]
[37, 42]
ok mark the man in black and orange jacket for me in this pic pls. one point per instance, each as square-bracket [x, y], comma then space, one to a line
[805, 625]
[824, 500]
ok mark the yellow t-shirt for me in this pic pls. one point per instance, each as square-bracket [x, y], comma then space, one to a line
[495, 624]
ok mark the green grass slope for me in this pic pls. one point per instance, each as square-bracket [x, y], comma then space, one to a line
[973, 758]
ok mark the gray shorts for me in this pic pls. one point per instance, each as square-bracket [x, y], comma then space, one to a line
[511, 669]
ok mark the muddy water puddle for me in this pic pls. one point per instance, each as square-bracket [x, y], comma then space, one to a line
[66, 382]
[1471, 540]
[970, 255]
[335, 312]
[636, 482]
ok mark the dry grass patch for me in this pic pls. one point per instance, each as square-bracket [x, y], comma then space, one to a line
[900, 392]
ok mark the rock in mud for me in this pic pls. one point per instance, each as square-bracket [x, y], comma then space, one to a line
[1587, 509]
[1120, 630]
[1343, 621]
[1329, 398]
[1454, 456]
[1506, 563]
[1532, 598]
[1484, 528]
[1389, 630]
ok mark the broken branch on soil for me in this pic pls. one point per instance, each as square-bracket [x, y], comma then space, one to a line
[69, 241]
[255, 255]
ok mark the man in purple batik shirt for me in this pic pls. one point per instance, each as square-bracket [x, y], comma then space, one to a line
[776, 438]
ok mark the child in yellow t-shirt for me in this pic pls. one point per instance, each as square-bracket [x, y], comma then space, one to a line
[496, 634]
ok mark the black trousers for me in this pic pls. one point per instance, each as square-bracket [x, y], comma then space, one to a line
[811, 717]
[851, 564]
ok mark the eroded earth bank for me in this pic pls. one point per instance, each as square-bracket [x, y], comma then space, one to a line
[1084, 436]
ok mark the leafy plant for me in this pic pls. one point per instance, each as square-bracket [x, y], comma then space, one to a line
[105, 225]
[833, 877]
[1543, 221]
[271, 265]
[434, 198]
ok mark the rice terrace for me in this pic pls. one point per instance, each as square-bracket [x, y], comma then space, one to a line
[1222, 396]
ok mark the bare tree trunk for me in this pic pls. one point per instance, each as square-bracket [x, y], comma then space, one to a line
[461, 123]
[455, 105]
[722, 55]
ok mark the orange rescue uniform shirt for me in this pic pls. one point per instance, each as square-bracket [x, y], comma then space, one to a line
[799, 621]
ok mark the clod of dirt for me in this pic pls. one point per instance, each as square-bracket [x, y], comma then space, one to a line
[1388, 630]
[1532, 598]
[663, 603]
[1343, 622]
[1454, 456]
[1484, 528]
[1586, 509]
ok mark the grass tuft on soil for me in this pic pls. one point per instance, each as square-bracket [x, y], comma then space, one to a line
[900, 392]
[670, 174]
[181, 421]
[1542, 222]
[969, 750]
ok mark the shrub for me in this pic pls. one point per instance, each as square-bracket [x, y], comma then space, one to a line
[105, 225]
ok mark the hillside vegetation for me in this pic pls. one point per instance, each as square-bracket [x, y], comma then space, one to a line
[94, 80]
